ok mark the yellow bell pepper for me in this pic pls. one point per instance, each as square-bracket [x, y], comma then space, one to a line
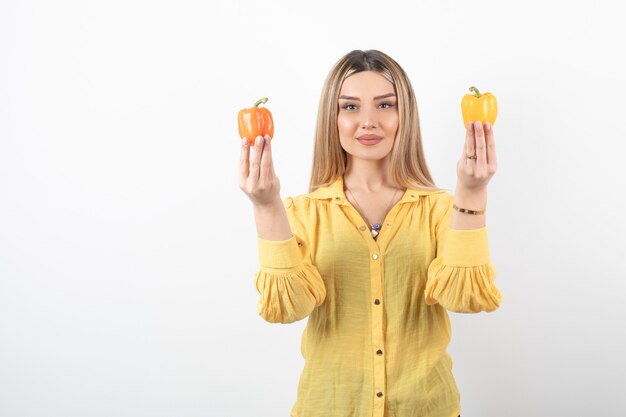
[479, 107]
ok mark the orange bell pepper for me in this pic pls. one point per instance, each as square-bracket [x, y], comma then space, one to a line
[479, 107]
[256, 121]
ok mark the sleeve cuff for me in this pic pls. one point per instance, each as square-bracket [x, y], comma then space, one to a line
[281, 254]
[466, 247]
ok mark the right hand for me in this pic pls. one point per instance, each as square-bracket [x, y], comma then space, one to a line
[257, 178]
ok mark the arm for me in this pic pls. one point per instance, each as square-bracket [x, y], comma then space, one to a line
[272, 222]
[461, 277]
[289, 285]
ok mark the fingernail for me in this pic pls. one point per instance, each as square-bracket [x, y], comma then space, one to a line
[487, 126]
[245, 141]
[259, 140]
[470, 125]
[477, 125]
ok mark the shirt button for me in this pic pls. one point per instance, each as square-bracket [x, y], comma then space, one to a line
[362, 228]
[379, 394]
[379, 352]
[374, 256]
[377, 301]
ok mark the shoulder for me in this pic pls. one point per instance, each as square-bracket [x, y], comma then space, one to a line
[440, 207]
[433, 198]
[301, 203]
[441, 198]
[322, 195]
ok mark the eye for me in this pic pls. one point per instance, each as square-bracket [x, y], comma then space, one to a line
[347, 106]
[386, 104]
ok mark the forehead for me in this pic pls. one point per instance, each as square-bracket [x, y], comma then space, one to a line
[366, 84]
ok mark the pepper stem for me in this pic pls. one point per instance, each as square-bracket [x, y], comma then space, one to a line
[475, 91]
[261, 101]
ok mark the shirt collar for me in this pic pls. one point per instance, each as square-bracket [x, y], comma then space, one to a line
[335, 193]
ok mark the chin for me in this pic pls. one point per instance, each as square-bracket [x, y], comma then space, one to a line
[372, 156]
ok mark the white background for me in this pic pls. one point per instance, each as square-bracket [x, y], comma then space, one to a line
[128, 252]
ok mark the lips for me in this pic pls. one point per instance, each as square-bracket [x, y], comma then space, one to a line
[369, 139]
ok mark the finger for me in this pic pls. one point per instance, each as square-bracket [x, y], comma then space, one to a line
[255, 161]
[266, 160]
[244, 159]
[481, 149]
[491, 145]
[469, 143]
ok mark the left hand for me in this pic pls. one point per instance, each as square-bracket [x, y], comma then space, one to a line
[474, 174]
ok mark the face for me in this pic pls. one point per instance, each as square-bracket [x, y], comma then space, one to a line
[368, 115]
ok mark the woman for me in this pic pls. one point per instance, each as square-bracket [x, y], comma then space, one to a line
[374, 255]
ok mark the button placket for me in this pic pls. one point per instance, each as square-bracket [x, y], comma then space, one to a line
[376, 251]
[376, 287]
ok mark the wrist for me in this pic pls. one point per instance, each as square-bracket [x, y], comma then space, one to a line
[475, 199]
[271, 206]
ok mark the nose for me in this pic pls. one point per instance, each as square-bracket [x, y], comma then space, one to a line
[368, 120]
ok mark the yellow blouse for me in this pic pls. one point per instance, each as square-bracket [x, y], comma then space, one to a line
[378, 328]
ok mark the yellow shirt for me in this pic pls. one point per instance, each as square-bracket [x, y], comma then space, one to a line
[378, 328]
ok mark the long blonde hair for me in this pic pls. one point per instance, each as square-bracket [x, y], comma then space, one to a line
[407, 163]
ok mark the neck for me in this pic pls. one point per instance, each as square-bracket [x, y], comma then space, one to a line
[367, 176]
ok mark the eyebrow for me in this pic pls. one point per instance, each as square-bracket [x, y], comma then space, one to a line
[375, 98]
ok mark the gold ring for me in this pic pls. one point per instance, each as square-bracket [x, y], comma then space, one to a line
[471, 157]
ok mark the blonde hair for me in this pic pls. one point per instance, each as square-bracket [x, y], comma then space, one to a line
[407, 163]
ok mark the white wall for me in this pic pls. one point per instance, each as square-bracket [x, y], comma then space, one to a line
[127, 250]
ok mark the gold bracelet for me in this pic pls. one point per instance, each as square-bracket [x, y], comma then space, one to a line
[462, 210]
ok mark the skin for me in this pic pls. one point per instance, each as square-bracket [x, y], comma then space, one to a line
[473, 175]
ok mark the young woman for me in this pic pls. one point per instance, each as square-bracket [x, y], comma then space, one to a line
[375, 254]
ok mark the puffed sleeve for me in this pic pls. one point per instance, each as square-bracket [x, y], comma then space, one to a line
[289, 285]
[461, 277]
